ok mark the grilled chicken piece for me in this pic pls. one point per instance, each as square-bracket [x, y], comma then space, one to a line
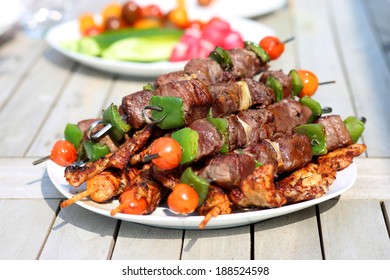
[313, 180]
[341, 158]
[258, 190]
[100, 188]
[76, 175]
[217, 203]
[308, 182]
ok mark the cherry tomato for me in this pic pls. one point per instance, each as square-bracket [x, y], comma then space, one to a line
[152, 10]
[309, 81]
[130, 12]
[168, 151]
[133, 205]
[113, 23]
[112, 10]
[183, 199]
[63, 153]
[272, 46]
[145, 23]
[86, 24]
[179, 18]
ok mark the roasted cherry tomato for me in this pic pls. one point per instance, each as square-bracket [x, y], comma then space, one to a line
[309, 81]
[183, 199]
[87, 25]
[152, 10]
[272, 46]
[130, 12]
[113, 23]
[112, 10]
[179, 18]
[168, 152]
[132, 204]
[63, 153]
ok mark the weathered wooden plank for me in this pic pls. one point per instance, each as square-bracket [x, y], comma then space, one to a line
[354, 229]
[24, 226]
[218, 244]
[140, 242]
[83, 97]
[20, 179]
[386, 206]
[80, 234]
[366, 71]
[17, 55]
[318, 52]
[41, 87]
[294, 236]
[373, 179]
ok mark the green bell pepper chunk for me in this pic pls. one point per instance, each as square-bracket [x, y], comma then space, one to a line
[73, 134]
[314, 106]
[188, 140]
[200, 185]
[317, 136]
[276, 86]
[355, 127]
[149, 86]
[119, 127]
[94, 150]
[259, 51]
[171, 114]
[222, 126]
[297, 84]
[223, 58]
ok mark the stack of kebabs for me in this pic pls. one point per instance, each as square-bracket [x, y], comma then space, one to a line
[246, 142]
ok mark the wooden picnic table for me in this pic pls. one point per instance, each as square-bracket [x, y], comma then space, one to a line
[41, 90]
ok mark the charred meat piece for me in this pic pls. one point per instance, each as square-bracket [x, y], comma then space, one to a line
[197, 99]
[76, 175]
[337, 135]
[307, 183]
[246, 64]
[132, 105]
[236, 133]
[207, 70]
[217, 203]
[228, 170]
[288, 113]
[284, 79]
[169, 77]
[258, 190]
[342, 157]
[232, 97]
[210, 141]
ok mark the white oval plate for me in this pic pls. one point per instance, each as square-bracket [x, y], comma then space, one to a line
[243, 8]
[164, 218]
[250, 30]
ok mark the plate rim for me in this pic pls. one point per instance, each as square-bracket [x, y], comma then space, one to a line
[347, 177]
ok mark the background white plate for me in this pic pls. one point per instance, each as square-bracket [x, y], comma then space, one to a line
[10, 12]
[242, 8]
[250, 30]
[162, 217]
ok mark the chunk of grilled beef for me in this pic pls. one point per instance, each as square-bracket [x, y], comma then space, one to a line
[228, 170]
[197, 99]
[284, 79]
[132, 105]
[337, 135]
[236, 133]
[261, 95]
[246, 64]
[210, 139]
[226, 98]
[169, 77]
[288, 113]
[258, 124]
[207, 70]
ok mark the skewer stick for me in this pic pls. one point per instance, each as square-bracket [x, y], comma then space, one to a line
[78, 197]
[288, 40]
[325, 83]
[118, 209]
